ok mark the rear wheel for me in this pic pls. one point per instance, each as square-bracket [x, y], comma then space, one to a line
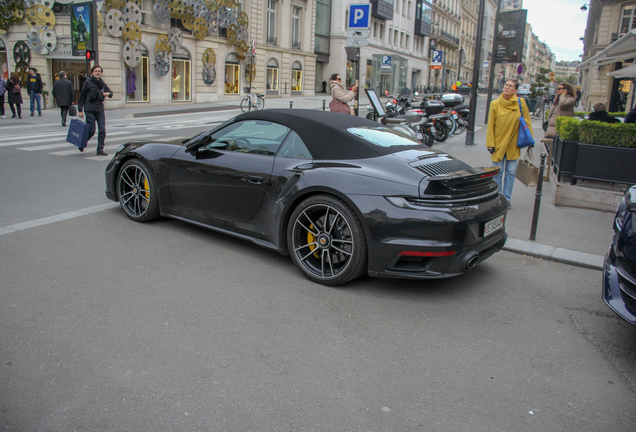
[427, 138]
[441, 131]
[326, 241]
[137, 191]
[245, 104]
[260, 103]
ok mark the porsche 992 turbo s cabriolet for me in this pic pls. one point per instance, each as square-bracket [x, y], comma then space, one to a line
[342, 195]
[619, 269]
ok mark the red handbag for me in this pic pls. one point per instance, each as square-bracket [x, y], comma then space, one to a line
[336, 106]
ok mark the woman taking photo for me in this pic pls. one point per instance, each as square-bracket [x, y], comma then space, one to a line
[14, 94]
[340, 95]
[503, 131]
[563, 106]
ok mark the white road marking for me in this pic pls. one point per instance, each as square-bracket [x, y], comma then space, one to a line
[108, 147]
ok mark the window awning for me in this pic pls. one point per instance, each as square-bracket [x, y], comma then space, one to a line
[626, 72]
[622, 49]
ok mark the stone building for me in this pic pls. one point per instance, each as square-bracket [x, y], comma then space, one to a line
[608, 21]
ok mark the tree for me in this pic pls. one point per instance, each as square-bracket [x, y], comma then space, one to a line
[541, 84]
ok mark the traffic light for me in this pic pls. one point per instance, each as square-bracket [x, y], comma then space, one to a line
[90, 55]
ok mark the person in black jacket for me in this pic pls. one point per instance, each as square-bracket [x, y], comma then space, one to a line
[600, 114]
[14, 94]
[64, 94]
[91, 100]
[631, 116]
[34, 88]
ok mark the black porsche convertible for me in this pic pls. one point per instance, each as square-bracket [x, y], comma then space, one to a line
[342, 195]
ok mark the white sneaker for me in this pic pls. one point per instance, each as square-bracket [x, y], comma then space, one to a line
[4, 116]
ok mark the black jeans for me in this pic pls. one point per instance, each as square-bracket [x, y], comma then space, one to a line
[2, 104]
[64, 111]
[18, 106]
[97, 119]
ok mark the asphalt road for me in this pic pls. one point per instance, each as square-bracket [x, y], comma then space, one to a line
[107, 324]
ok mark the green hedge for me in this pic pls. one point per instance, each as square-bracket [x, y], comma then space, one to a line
[613, 114]
[595, 132]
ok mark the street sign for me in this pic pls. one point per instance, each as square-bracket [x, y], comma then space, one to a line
[437, 56]
[359, 16]
[519, 69]
[386, 62]
[356, 42]
[358, 33]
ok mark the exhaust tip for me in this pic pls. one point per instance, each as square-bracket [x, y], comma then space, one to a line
[472, 262]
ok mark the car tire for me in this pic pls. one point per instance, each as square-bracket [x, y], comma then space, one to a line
[137, 191]
[326, 241]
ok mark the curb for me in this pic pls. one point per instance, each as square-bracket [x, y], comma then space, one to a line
[553, 253]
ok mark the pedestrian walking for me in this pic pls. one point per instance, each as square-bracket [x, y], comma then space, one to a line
[63, 93]
[14, 95]
[91, 100]
[502, 135]
[3, 90]
[341, 95]
[563, 106]
[34, 88]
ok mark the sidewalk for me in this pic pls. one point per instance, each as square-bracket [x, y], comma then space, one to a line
[569, 235]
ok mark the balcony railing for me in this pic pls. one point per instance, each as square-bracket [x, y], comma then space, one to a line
[447, 37]
[272, 40]
[296, 45]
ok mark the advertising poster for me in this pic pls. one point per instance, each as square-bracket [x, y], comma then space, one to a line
[511, 30]
[81, 28]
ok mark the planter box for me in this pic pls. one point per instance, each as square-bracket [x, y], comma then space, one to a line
[593, 162]
[610, 164]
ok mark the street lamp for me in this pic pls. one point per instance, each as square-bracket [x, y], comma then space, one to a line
[581, 38]
[584, 7]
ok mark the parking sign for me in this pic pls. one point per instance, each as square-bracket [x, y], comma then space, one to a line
[359, 16]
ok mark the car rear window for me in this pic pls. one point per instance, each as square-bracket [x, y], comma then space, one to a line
[383, 136]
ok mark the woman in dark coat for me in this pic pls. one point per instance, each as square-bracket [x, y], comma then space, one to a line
[63, 94]
[14, 98]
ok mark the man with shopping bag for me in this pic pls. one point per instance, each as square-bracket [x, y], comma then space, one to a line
[91, 100]
[78, 133]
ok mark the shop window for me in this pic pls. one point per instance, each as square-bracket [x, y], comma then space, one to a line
[232, 70]
[181, 73]
[272, 75]
[137, 85]
[297, 75]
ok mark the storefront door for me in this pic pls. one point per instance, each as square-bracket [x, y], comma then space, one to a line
[75, 72]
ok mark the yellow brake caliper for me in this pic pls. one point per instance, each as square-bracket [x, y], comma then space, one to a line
[147, 188]
[312, 239]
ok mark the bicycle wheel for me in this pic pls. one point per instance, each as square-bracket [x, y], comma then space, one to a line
[260, 103]
[461, 126]
[245, 104]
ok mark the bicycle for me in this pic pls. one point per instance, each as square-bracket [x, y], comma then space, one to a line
[251, 102]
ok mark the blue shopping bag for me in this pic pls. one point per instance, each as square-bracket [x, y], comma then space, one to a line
[78, 133]
[525, 138]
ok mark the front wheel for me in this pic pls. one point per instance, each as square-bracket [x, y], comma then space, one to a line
[461, 126]
[441, 131]
[137, 191]
[326, 241]
[427, 137]
[260, 103]
[245, 104]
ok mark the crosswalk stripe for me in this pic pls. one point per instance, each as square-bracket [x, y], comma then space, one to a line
[38, 141]
[32, 136]
[108, 147]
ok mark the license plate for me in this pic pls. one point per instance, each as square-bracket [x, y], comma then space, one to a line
[449, 122]
[454, 116]
[419, 135]
[493, 225]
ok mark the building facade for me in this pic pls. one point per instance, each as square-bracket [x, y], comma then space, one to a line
[607, 21]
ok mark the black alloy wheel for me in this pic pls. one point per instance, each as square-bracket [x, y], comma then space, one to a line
[137, 192]
[427, 137]
[326, 241]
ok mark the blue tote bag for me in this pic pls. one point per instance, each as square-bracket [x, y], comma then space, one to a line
[78, 133]
[525, 137]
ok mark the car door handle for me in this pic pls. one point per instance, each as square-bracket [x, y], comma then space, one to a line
[253, 179]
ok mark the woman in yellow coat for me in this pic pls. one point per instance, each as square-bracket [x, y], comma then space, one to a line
[503, 131]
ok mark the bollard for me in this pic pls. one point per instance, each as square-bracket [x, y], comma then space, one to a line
[324, 102]
[537, 199]
[291, 104]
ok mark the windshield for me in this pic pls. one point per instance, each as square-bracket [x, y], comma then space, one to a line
[383, 137]
[405, 93]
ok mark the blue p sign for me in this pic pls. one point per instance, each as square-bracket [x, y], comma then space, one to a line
[359, 16]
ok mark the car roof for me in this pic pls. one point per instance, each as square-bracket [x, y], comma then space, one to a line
[325, 133]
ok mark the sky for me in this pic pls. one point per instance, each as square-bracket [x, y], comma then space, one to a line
[560, 24]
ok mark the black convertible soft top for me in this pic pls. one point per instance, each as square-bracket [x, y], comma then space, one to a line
[325, 133]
